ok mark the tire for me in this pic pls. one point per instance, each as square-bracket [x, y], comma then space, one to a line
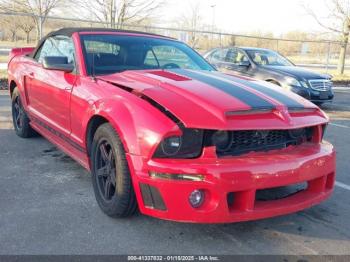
[111, 177]
[319, 104]
[20, 118]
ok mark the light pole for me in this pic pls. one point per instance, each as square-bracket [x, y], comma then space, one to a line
[213, 21]
[40, 21]
[113, 7]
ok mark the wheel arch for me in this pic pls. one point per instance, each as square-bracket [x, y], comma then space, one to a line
[94, 123]
[273, 81]
[140, 126]
[119, 117]
[12, 86]
[99, 119]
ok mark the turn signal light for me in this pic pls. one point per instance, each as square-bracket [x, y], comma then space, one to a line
[169, 176]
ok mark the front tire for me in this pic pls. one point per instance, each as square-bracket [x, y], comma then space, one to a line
[111, 177]
[20, 118]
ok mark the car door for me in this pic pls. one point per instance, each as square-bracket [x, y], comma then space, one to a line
[217, 58]
[236, 60]
[49, 91]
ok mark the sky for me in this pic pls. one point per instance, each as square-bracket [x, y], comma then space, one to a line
[244, 16]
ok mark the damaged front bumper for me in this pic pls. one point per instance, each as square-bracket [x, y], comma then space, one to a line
[231, 185]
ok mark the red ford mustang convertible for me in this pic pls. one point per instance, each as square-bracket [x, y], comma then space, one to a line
[160, 129]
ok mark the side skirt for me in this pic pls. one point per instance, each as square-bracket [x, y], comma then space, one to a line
[63, 142]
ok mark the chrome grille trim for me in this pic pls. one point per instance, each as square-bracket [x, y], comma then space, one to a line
[321, 84]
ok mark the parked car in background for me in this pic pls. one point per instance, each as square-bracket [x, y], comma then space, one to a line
[268, 65]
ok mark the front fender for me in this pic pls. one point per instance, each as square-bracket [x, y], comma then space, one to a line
[139, 125]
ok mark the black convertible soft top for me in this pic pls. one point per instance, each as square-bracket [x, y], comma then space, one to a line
[69, 31]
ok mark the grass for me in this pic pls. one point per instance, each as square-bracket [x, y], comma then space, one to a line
[3, 59]
[338, 78]
[341, 78]
[312, 60]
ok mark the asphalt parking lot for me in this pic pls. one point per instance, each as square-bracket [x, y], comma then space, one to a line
[47, 206]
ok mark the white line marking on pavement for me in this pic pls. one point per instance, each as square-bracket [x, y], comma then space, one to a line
[346, 88]
[342, 185]
[332, 124]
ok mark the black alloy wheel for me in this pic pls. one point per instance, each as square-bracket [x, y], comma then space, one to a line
[106, 171]
[19, 117]
[111, 176]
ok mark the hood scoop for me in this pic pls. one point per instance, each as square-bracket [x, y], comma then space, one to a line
[170, 75]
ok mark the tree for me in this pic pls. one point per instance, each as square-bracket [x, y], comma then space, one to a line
[116, 14]
[26, 25]
[338, 21]
[38, 10]
[10, 24]
[192, 20]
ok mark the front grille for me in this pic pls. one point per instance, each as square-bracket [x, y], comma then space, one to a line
[268, 194]
[279, 192]
[321, 84]
[242, 142]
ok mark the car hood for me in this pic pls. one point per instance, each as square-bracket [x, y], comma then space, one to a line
[212, 100]
[297, 72]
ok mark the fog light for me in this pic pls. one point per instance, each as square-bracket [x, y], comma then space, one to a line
[196, 198]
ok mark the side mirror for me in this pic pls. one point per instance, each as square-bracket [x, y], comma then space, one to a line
[244, 64]
[59, 63]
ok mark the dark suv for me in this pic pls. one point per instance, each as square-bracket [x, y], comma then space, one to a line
[268, 65]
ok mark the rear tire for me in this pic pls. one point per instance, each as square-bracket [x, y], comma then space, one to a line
[20, 118]
[111, 177]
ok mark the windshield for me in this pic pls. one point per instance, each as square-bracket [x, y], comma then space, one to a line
[268, 58]
[107, 54]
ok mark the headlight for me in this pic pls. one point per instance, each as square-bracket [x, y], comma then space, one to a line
[297, 133]
[292, 82]
[304, 84]
[189, 145]
[222, 140]
[171, 145]
[301, 134]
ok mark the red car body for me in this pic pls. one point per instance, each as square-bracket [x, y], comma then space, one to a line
[65, 107]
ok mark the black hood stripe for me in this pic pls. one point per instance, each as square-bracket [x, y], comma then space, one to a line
[249, 98]
[280, 97]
